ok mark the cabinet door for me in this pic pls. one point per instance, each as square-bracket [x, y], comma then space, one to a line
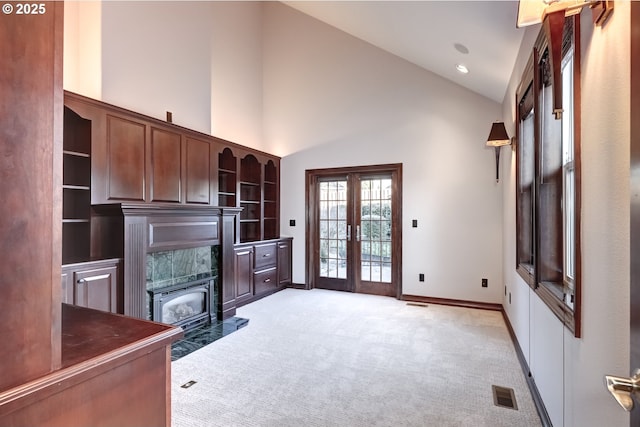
[166, 166]
[96, 288]
[244, 272]
[126, 159]
[284, 262]
[198, 171]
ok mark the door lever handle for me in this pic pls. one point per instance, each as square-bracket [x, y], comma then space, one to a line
[624, 390]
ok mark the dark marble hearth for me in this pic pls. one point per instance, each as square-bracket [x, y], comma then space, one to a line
[197, 338]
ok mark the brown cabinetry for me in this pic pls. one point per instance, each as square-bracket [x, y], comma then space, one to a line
[284, 262]
[166, 165]
[130, 157]
[198, 171]
[137, 158]
[250, 180]
[93, 284]
[265, 275]
[243, 263]
[76, 187]
[262, 268]
[250, 199]
[125, 154]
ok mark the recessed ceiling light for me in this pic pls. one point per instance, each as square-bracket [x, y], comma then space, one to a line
[461, 48]
[462, 69]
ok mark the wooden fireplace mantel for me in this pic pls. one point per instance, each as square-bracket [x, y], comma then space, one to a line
[132, 230]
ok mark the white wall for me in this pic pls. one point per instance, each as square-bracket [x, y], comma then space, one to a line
[155, 58]
[236, 72]
[569, 371]
[83, 48]
[332, 100]
[199, 60]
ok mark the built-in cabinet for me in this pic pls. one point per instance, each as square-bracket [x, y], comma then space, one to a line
[129, 157]
[284, 262]
[261, 268]
[250, 180]
[94, 284]
[141, 159]
[113, 156]
[76, 188]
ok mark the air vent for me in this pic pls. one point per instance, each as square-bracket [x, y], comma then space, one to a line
[504, 397]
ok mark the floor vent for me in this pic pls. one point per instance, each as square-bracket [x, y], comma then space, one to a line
[418, 304]
[504, 397]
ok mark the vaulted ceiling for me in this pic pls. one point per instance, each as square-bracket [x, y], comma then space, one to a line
[435, 35]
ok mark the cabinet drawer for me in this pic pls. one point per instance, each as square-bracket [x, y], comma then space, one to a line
[265, 255]
[265, 280]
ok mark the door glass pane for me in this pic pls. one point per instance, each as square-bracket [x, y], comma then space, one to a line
[333, 229]
[375, 221]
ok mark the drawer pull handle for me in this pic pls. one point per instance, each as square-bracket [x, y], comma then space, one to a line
[93, 278]
[266, 255]
[267, 280]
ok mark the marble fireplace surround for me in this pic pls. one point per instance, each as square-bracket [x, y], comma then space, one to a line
[132, 231]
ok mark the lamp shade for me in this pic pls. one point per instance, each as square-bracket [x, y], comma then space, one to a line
[532, 12]
[498, 135]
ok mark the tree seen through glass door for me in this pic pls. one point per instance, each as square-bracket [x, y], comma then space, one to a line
[375, 232]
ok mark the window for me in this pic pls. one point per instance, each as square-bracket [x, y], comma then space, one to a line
[526, 186]
[548, 173]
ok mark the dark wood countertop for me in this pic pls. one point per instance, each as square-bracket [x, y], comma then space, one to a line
[93, 343]
[87, 334]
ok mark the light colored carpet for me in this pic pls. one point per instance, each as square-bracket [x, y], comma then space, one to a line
[325, 358]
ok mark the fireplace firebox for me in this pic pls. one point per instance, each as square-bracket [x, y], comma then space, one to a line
[187, 305]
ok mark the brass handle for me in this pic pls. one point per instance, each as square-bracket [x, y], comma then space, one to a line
[624, 390]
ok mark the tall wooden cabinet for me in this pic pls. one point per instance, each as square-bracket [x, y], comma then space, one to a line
[31, 171]
[61, 365]
[250, 180]
[250, 199]
[76, 188]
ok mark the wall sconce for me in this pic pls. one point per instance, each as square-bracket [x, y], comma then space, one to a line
[497, 138]
[552, 14]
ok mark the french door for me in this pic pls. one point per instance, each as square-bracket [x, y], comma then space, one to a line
[354, 229]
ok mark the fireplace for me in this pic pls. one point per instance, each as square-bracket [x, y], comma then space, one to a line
[182, 286]
[187, 305]
[156, 240]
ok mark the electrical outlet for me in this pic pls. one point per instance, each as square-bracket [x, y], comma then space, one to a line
[485, 283]
[421, 277]
[414, 223]
[292, 223]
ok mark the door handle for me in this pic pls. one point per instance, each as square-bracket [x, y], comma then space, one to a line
[357, 233]
[624, 390]
[348, 233]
